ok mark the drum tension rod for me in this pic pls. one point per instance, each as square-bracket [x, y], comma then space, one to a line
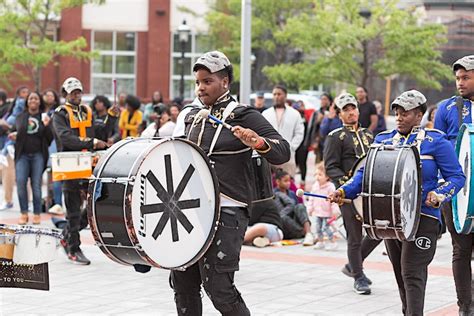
[114, 180]
[383, 226]
[379, 195]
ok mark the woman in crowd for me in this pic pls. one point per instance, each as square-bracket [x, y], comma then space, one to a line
[32, 135]
[131, 117]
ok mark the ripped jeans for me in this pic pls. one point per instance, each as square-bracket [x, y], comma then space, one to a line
[215, 270]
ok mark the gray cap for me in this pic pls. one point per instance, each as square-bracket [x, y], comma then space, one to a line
[214, 61]
[71, 84]
[467, 62]
[409, 100]
[346, 99]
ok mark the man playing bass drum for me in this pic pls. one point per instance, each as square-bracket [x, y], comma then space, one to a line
[410, 259]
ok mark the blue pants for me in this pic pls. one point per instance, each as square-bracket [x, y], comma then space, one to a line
[29, 166]
[323, 227]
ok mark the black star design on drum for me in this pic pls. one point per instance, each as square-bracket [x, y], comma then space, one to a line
[171, 207]
[408, 196]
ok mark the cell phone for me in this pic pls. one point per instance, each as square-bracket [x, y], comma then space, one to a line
[43, 116]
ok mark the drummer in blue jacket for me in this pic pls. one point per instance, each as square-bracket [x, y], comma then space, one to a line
[450, 115]
[410, 259]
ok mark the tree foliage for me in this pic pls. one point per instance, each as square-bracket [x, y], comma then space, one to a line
[328, 41]
[26, 28]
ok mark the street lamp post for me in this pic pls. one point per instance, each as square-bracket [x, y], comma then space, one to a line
[183, 35]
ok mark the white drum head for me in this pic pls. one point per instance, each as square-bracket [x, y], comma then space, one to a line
[176, 226]
[358, 202]
[409, 194]
[463, 195]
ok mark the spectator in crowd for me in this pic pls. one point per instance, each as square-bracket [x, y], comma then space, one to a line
[381, 126]
[321, 209]
[51, 102]
[330, 122]
[32, 135]
[431, 116]
[295, 220]
[260, 101]
[368, 113]
[174, 112]
[163, 126]
[265, 225]
[314, 137]
[301, 154]
[149, 114]
[287, 122]
[105, 121]
[131, 117]
[7, 153]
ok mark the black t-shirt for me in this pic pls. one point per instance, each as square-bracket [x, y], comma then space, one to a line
[33, 135]
[366, 110]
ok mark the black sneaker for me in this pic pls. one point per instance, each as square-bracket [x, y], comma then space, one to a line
[78, 257]
[346, 270]
[361, 286]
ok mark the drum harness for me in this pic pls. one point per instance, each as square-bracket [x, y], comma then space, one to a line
[384, 224]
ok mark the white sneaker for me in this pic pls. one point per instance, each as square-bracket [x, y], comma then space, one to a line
[319, 245]
[261, 242]
[332, 245]
[56, 210]
[308, 239]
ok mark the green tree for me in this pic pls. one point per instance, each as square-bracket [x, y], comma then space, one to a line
[303, 43]
[268, 18]
[353, 45]
[26, 36]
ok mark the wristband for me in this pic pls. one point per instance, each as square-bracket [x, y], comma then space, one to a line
[260, 144]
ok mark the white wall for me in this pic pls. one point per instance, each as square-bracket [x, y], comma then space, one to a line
[116, 15]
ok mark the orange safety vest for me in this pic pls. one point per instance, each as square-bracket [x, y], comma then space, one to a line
[77, 122]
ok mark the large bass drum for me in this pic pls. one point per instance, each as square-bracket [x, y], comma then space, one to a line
[391, 192]
[463, 202]
[154, 202]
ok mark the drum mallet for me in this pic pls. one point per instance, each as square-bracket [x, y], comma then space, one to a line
[300, 193]
[206, 114]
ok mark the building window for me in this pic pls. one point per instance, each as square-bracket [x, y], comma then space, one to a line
[194, 48]
[116, 60]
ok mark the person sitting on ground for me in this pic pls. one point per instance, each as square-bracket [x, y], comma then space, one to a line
[265, 225]
[322, 209]
[294, 216]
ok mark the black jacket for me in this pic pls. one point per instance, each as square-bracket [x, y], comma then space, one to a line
[21, 127]
[67, 138]
[106, 127]
[343, 147]
[231, 157]
[265, 211]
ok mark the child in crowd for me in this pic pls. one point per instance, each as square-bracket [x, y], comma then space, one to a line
[294, 216]
[322, 209]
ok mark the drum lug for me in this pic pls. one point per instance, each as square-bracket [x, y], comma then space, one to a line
[381, 224]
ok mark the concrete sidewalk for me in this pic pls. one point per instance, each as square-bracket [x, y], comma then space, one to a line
[286, 280]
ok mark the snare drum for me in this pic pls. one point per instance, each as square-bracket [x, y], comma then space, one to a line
[463, 202]
[262, 180]
[154, 202]
[29, 244]
[357, 203]
[391, 192]
[71, 165]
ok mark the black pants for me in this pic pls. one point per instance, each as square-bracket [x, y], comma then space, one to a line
[215, 270]
[410, 260]
[293, 220]
[358, 248]
[462, 252]
[74, 195]
[301, 156]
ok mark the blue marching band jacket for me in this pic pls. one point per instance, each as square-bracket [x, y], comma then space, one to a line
[436, 154]
[447, 117]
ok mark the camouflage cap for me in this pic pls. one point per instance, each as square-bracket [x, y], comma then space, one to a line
[467, 62]
[214, 61]
[71, 84]
[409, 100]
[345, 99]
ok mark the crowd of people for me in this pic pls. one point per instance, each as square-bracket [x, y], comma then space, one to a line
[339, 133]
